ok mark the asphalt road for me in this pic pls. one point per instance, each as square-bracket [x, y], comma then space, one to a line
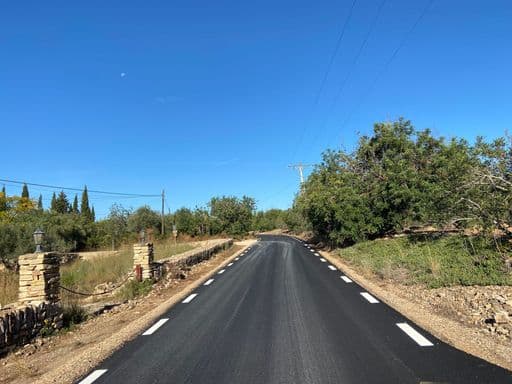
[279, 314]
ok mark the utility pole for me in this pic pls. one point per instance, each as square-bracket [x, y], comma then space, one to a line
[163, 225]
[300, 167]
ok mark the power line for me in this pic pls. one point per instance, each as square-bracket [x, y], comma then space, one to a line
[328, 70]
[387, 64]
[351, 70]
[78, 189]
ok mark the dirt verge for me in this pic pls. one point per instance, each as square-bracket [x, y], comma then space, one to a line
[69, 355]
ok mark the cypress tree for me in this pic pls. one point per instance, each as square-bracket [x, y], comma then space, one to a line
[24, 192]
[40, 202]
[3, 200]
[53, 204]
[84, 207]
[93, 214]
[75, 205]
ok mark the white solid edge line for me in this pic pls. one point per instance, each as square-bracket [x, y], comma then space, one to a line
[415, 335]
[332, 268]
[230, 264]
[190, 298]
[155, 326]
[323, 260]
[209, 282]
[369, 297]
[221, 271]
[93, 376]
[346, 279]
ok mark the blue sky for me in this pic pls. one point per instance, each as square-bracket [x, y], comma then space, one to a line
[205, 98]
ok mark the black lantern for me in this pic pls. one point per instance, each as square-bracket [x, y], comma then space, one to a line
[38, 240]
[142, 236]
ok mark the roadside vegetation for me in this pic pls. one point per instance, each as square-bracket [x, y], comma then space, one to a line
[433, 261]
[400, 180]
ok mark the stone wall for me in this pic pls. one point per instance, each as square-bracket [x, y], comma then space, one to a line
[19, 326]
[189, 258]
[38, 309]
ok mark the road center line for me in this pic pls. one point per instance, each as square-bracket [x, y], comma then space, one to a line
[230, 264]
[208, 282]
[332, 268]
[323, 260]
[155, 326]
[346, 279]
[415, 335]
[189, 299]
[221, 271]
[369, 297]
[93, 376]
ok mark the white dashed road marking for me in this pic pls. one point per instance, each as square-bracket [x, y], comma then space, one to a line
[189, 299]
[369, 297]
[93, 376]
[237, 258]
[155, 326]
[317, 254]
[230, 264]
[221, 271]
[415, 335]
[323, 260]
[346, 279]
[332, 268]
[208, 282]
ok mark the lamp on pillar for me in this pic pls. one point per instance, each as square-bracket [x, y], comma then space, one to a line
[38, 240]
[142, 236]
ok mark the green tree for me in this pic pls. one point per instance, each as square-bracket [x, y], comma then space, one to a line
[85, 209]
[24, 192]
[53, 203]
[40, 202]
[3, 200]
[74, 208]
[232, 215]
[62, 204]
[144, 218]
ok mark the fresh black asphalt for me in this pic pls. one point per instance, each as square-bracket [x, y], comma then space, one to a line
[279, 315]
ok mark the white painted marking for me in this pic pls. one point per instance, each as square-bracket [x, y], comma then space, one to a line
[221, 271]
[317, 254]
[323, 260]
[415, 335]
[190, 298]
[155, 326]
[208, 282]
[230, 264]
[369, 297]
[312, 250]
[346, 279]
[93, 376]
[332, 268]
[237, 258]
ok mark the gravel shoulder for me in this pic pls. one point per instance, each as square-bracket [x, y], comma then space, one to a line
[69, 355]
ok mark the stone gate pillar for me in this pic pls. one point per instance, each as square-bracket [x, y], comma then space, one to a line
[39, 278]
[143, 256]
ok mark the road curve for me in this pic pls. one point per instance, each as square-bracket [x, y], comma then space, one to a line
[280, 314]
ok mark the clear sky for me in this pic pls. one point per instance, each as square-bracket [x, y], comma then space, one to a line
[205, 98]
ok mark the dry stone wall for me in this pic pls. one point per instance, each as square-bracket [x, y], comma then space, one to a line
[19, 326]
[38, 309]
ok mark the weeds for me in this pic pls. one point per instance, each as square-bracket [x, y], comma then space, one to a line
[436, 262]
[133, 289]
[8, 287]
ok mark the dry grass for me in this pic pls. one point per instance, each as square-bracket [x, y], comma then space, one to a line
[8, 287]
